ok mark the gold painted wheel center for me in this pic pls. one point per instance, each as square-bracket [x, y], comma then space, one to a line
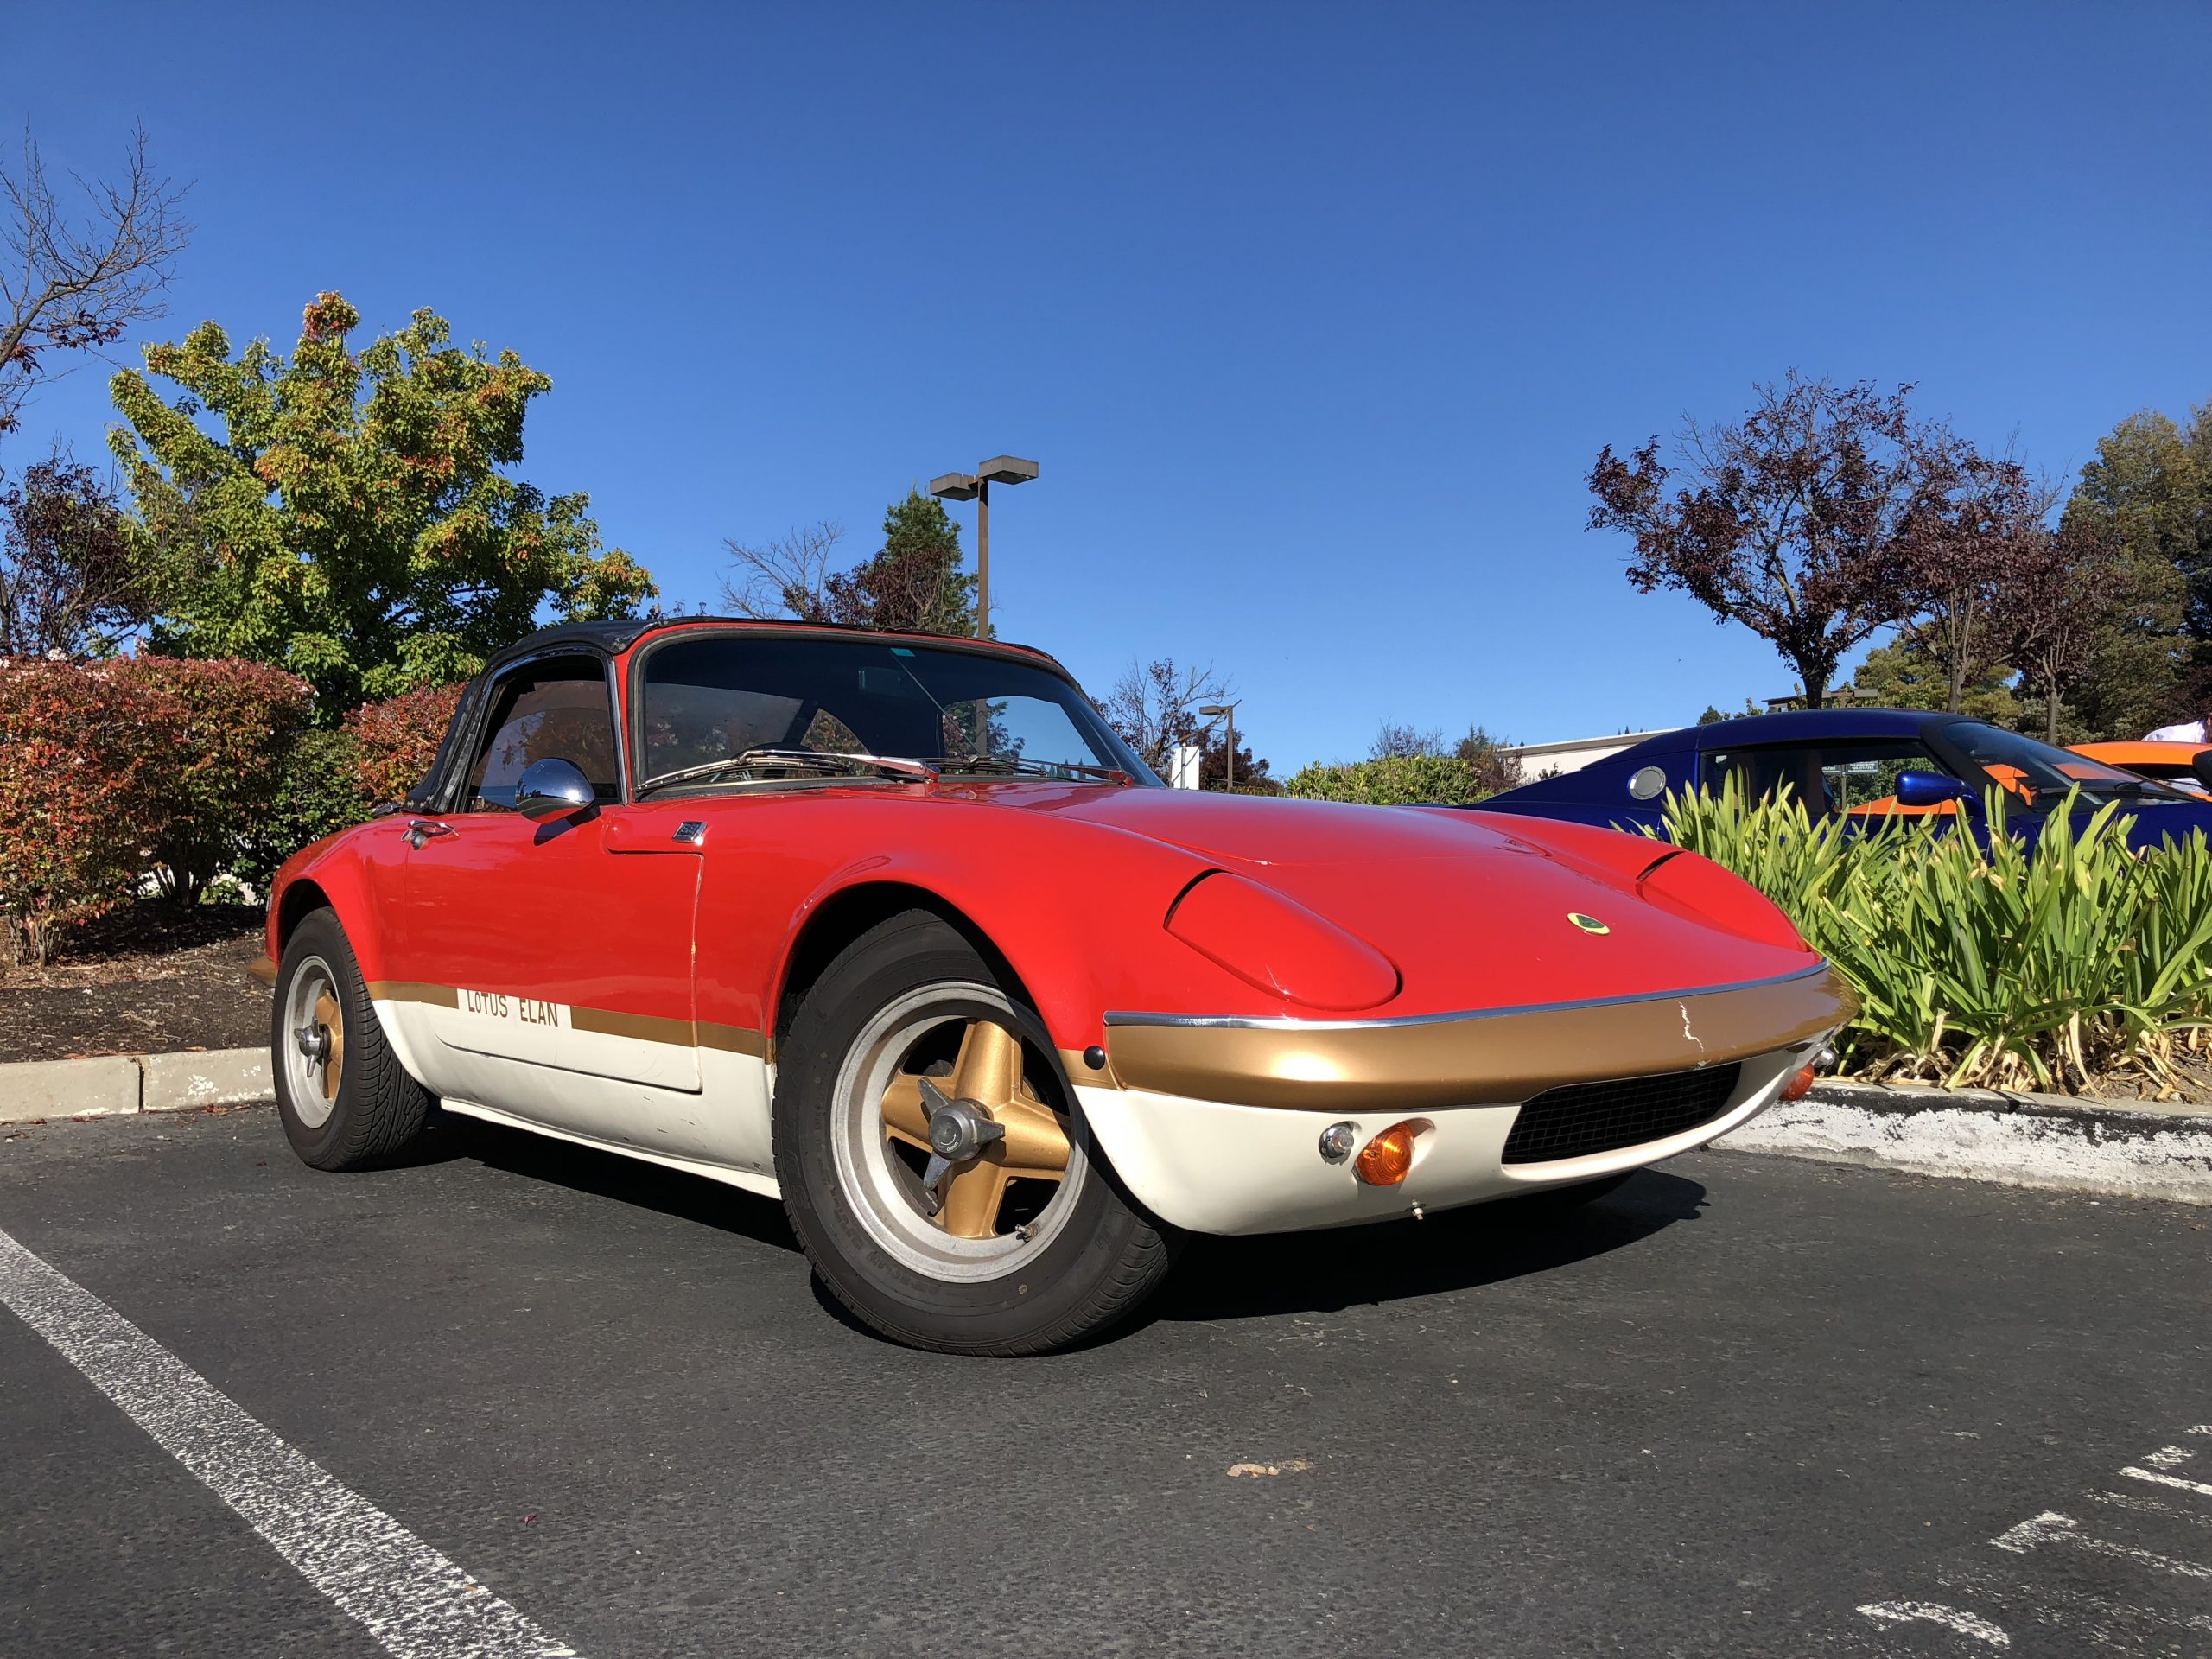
[332, 1032]
[983, 1128]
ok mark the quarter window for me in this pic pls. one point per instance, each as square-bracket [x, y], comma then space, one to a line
[556, 709]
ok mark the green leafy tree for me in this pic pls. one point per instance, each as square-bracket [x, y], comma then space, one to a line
[352, 517]
[1495, 769]
[2147, 496]
[1905, 674]
[914, 583]
[1393, 780]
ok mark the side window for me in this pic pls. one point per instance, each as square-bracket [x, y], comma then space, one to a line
[1853, 776]
[554, 708]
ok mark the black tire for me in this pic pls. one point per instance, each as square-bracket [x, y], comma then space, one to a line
[377, 1112]
[1102, 1256]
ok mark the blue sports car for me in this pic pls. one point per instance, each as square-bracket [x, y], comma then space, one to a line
[1869, 763]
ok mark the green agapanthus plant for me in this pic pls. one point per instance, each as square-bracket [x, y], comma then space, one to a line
[1990, 961]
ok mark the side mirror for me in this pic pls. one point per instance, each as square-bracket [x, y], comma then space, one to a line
[1930, 789]
[2199, 767]
[552, 789]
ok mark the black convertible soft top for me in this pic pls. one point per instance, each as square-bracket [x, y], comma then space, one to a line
[611, 639]
[605, 639]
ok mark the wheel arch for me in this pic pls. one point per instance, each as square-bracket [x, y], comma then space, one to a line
[334, 880]
[850, 912]
[300, 899]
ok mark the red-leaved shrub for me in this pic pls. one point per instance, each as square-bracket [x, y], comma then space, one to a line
[79, 801]
[185, 768]
[226, 731]
[398, 738]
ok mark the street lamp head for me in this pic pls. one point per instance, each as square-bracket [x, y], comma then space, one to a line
[1215, 710]
[954, 487]
[1007, 469]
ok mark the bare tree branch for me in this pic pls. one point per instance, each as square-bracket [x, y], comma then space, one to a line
[1393, 740]
[76, 281]
[788, 577]
[1154, 707]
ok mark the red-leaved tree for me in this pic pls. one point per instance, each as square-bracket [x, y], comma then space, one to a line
[2067, 591]
[1976, 533]
[69, 586]
[1794, 521]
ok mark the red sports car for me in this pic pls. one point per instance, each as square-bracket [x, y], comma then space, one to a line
[897, 929]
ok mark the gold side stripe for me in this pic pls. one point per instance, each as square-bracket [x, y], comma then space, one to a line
[644, 1028]
[411, 991]
[641, 1027]
[734, 1040]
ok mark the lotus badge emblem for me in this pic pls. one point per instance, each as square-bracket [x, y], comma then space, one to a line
[1587, 924]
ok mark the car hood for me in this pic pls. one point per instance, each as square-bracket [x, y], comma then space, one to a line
[1474, 910]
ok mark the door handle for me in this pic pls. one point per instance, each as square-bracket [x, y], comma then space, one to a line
[419, 830]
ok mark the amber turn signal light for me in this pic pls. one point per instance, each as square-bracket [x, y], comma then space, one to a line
[1797, 1085]
[1388, 1158]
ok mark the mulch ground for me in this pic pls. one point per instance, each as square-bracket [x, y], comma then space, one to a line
[146, 979]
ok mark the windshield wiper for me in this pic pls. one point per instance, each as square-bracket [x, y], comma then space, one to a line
[1032, 768]
[818, 759]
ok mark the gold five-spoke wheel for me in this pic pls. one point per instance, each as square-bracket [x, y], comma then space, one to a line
[982, 1128]
[314, 1056]
[328, 1036]
[934, 1159]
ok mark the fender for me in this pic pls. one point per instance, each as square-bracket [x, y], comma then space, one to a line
[334, 867]
[1076, 910]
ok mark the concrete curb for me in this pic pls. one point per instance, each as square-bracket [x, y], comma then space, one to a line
[110, 1084]
[2053, 1142]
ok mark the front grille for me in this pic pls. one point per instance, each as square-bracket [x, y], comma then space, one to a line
[1582, 1118]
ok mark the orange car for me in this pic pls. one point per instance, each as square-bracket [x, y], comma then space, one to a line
[2169, 763]
[2013, 779]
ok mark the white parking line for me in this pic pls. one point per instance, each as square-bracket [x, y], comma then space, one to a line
[2197, 1486]
[1935, 1613]
[415, 1601]
[2050, 1527]
[2089, 1615]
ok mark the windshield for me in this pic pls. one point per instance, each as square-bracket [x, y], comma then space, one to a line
[2039, 774]
[713, 697]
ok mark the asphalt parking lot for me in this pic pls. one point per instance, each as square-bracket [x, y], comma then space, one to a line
[1720, 1412]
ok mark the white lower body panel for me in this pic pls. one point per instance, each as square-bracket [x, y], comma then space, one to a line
[721, 1126]
[1215, 1168]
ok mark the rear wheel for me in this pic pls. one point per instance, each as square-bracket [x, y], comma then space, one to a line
[346, 1101]
[935, 1164]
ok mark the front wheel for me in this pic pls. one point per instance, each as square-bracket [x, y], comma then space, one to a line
[347, 1102]
[935, 1164]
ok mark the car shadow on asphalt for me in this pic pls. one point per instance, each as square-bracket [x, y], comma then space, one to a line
[611, 1175]
[1459, 1249]
[1267, 1276]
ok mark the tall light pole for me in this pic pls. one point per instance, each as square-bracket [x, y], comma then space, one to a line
[976, 486]
[1226, 711]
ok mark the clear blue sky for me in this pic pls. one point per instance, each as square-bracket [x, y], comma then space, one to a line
[1315, 315]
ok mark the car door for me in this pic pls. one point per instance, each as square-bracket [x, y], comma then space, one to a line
[1855, 776]
[554, 958]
